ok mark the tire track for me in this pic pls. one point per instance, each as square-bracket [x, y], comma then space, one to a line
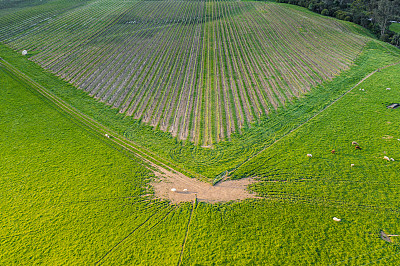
[187, 233]
[131, 233]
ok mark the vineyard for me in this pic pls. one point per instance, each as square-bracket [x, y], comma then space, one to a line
[248, 90]
[201, 70]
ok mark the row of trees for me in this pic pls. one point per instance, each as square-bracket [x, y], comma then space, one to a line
[375, 15]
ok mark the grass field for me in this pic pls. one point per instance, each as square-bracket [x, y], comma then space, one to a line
[68, 197]
[71, 196]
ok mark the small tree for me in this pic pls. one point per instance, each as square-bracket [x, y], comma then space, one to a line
[325, 12]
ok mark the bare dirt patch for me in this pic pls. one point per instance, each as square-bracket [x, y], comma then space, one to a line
[222, 192]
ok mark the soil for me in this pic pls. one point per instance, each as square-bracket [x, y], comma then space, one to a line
[222, 192]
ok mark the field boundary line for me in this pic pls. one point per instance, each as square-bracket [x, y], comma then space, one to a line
[187, 232]
[315, 115]
[97, 127]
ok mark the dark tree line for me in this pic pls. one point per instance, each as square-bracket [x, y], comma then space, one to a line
[375, 15]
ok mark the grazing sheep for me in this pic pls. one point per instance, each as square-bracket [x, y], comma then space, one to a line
[358, 148]
[352, 165]
[309, 155]
[386, 158]
[354, 143]
[336, 219]
[173, 189]
[107, 136]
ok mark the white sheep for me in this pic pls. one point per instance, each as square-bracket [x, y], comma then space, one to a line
[336, 219]
[386, 158]
[352, 165]
[309, 155]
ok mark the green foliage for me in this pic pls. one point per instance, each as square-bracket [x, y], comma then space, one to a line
[395, 27]
[325, 12]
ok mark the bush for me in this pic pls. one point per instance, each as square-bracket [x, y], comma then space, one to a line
[325, 12]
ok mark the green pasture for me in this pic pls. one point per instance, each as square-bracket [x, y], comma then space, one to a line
[68, 197]
[65, 193]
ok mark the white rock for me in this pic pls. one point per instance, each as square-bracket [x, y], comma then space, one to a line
[173, 189]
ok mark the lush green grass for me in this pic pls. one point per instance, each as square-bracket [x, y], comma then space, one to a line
[395, 27]
[68, 197]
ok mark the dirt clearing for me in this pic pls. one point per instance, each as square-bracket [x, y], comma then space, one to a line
[221, 192]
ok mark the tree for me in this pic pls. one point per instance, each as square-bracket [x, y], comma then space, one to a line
[383, 12]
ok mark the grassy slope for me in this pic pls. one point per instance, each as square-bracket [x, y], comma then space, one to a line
[294, 224]
[65, 195]
[68, 197]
